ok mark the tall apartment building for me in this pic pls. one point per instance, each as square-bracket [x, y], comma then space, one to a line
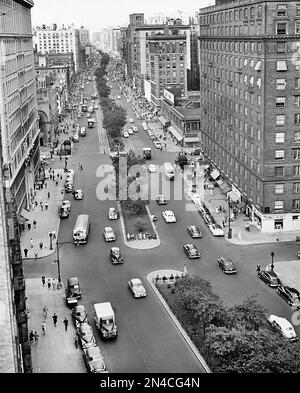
[18, 104]
[250, 104]
[51, 39]
[84, 36]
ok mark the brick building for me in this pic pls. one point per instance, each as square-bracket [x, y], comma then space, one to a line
[250, 104]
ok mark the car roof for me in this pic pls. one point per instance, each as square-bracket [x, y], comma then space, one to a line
[115, 249]
[283, 322]
[108, 229]
[169, 212]
[190, 245]
[80, 307]
[227, 259]
[194, 227]
[136, 281]
[271, 273]
[73, 280]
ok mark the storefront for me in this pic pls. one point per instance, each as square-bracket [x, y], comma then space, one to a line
[191, 141]
[175, 134]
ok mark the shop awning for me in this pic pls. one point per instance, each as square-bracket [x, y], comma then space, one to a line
[175, 133]
[225, 187]
[25, 214]
[215, 174]
[163, 120]
[232, 195]
[192, 139]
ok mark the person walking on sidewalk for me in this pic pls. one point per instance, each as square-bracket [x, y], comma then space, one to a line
[54, 317]
[44, 327]
[46, 205]
[48, 195]
[34, 224]
[53, 235]
[41, 245]
[36, 336]
[29, 226]
[31, 243]
[54, 283]
[25, 252]
[66, 322]
[49, 283]
[43, 280]
[42, 206]
[31, 336]
[45, 310]
[76, 342]
[35, 254]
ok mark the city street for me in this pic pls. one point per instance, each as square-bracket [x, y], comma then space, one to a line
[148, 340]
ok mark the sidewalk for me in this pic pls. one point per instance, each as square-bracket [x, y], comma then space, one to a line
[171, 147]
[55, 352]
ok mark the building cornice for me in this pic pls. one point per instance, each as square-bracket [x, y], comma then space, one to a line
[25, 3]
[250, 38]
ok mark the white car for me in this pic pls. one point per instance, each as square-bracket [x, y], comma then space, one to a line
[66, 204]
[119, 98]
[94, 360]
[283, 326]
[169, 216]
[109, 234]
[135, 129]
[125, 134]
[131, 120]
[112, 214]
[151, 168]
[96, 106]
[157, 144]
[70, 172]
[137, 288]
[130, 131]
[216, 229]
[78, 194]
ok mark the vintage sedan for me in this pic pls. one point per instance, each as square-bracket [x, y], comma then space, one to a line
[112, 213]
[290, 295]
[194, 231]
[109, 234]
[226, 265]
[169, 216]
[86, 335]
[161, 200]
[78, 194]
[115, 255]
[269, 277]
[216, 229]
[283, 326]
[137, 288]
[191, 251]
[79, 315]
[152, 168]
[93, 359]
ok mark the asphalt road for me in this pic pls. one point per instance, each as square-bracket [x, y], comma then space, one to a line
[148, 341]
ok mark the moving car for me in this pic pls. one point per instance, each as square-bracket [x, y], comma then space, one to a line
[109, 234]
[115, 255]
[157, 144]
[66, 204]
[216, 229]
[94, 360]
[161, 200]
[191, 251]
[75, 138]
[135, 129]
[131, 120]
[137, 288]
[130, 131]
[69, 187]
[152, 168]
[169, 216]
[78, 194]
[73, 291]
[79, 315]
[125, 134]
[63, 212]
[290, 295]
[194, 231]
[113, 213]
[86, 335]
[226, 265]
[283, 326]
[269, 277]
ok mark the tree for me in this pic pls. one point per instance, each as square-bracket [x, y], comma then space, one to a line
[134, 208]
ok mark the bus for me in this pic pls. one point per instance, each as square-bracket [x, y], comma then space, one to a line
[81, 229]
[169, 171]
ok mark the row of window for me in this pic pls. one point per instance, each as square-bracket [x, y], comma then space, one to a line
[232, 15]
[281, 102]
[279, 205]
[280, 137]
[279, 154]
[239, 46]
[279, 171]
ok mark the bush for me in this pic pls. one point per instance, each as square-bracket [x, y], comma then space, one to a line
[140, 226]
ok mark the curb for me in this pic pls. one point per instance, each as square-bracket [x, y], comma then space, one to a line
[150, 277]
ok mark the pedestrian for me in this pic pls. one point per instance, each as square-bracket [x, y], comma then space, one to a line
[45, 184]
[42, 205]
[25, 252]
[35, 254]
[257, 268]
[66, 322]
[56, 183]
[31, 243]
[29, 226]
[36, 203]
[44, 327]
[43, 280]
[76, 342]
[46, 205]
[48, 195]
[57, 175]
[49, 283]
[31, 336]
[54, 283]
[41, 245]
[50, 176]
[36, 336]
[53, 235]
[60, 158]
[34, 224]
[45, 310]
[54, 317]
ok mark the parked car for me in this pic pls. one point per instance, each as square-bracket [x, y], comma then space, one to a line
[194, 231]
[78, 194]
[73, 291]
[94, 360]
[135, 129]
[63, 212]
[216, 229]
[152, 168]
[75, 138]
[157, 144]
[66, 204]
[131, 120]
[79, 315]
[137, 288]
[226, 265]
[191, 251]
[109, 234]
[125, 134]
[283, 326]
[290, 295]
[161, 200]
[169, 216]
[269, 277]
[113, 213]
[86, 335]
[115, 255]
[130, 131]
[69, 187]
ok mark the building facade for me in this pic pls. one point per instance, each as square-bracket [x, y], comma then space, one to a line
[84, 36]
[250, 104]
[18, 104]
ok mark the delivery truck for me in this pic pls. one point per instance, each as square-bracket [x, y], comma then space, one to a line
[105, 320]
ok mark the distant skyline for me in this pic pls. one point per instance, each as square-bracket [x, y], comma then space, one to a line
[96, 14]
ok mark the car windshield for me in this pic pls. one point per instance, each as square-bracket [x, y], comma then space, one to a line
[294, 295]
[274, 280]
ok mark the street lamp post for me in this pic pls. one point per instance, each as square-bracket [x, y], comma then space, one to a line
[66, 162]
[50, 238]
[272, 264]
[229, 229]
[57, 258]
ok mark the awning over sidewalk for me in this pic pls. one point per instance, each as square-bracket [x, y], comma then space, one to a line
[225, 187]
[25, 214]
[175, 133]
[192, 139]
[232, 195]
[163, 120]
[215, 174]
[219, 182]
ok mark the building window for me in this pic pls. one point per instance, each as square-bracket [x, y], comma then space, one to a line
[296, 188]
[295, 217]
[278, 170]
[279, 188]
[279, 155]
[281, 28]
[281, 65]
[281, 10]
[280, 84]
[279, 137]
[296, 154]
[281, 47]
[296, 136]
[280, 120]
[296, 170]
[296, 204]
[278, 205]
[297, 100]
[297, 83]
[297, 28]
[297, 118]
[280, 102]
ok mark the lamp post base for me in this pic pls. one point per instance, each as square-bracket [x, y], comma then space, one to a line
[229, 235]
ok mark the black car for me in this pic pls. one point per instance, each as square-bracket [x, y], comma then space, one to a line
[191, 251]
[79, 315]
[115, 255]
[161, 200]
[86, 336]
[194, 231]
[73, 291]
[290, 295]
[269, 277]
[196, 152]
[226, 265]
